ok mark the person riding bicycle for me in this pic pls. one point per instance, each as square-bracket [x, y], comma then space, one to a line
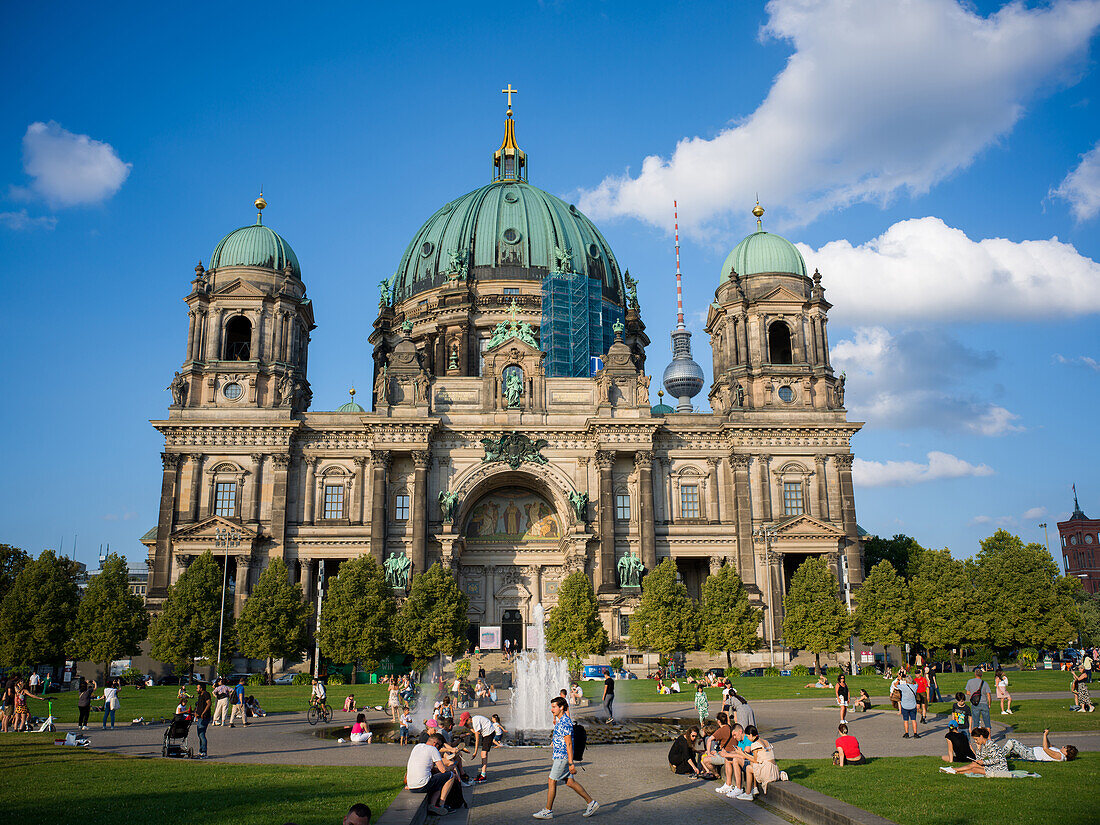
[317, 696]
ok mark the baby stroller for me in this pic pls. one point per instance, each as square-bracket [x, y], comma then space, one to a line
[175, 737]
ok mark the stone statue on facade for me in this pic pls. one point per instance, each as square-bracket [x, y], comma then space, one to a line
[740, 395]
[178, 388]
[513, 388]
[526, 334]
[580, 504]
[384, 293]
[564, 258]
[643, 390]
[448, 502]
[457, 271]
[631, 291]
[286, 389]
[381, 385]
[420, 388]
[840, 390]
[630, 571]
[397, 568]
[514, 449]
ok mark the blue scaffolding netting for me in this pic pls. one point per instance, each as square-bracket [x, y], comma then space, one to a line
[576, 323]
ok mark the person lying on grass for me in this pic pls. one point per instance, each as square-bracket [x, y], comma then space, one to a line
[1040, 753]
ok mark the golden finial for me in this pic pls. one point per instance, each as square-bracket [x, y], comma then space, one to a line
[758, 210]
[509, 91]
[352, 391]
[260, 204]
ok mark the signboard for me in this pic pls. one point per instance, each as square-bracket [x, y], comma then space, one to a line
[119, 665]
[490, 637]
[68, 675]
[595, 364]
[866, 657]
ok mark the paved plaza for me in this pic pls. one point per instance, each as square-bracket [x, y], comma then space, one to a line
[631, 782]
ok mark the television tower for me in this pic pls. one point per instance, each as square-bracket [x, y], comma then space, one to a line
[683, 378]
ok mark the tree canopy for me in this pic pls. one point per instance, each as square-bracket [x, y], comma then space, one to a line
[37, 613]
[814, 617]
[357, 615]
[726, 619]
[432, 621]
[111, 622]
[12, 560]
[665, 619]
[187, 628]
[573, 628]
[272, 624]
[882, 611]
[901, 551]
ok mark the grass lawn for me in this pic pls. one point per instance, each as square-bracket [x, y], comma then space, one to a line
[912, 791]
[39, 779]
[156, 702]
[793, 687]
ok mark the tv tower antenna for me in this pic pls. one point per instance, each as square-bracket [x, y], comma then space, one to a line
[679, 286]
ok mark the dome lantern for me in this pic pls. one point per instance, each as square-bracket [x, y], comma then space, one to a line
[509, 161]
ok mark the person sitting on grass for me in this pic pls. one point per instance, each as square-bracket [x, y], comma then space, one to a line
[675, 686]
[847, 748]
[989, 761]
[358, 814]
[1040, 753]
[863, 703]
[958, 723]
[681, 756]
[427, 772]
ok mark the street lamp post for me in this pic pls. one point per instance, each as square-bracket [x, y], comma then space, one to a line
[848, 600]
[767, 534]
[224, 538]
[317, 626]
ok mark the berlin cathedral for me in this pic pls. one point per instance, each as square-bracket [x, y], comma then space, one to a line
[511, 435]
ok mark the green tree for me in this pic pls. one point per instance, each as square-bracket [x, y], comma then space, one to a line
[1089, 608]
[726, 619]
[111, 622]
[1029, 604]
[187, 628]
[883, 607]
[947, 610]
[432, 621]
[573, 628]
[814, 617]
[37, 614]
[665, 619]
[901, 551]
[357, 615]
[272, 624]
[12, 561]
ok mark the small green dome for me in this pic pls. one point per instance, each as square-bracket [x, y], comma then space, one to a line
[505, 230]
[661, 409]
[762, 252]
[351, 406]
[255, 245]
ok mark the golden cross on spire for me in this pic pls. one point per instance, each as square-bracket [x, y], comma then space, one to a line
[509, 91]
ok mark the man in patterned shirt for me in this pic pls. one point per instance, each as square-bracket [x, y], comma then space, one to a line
[563, 768]
[990, 760]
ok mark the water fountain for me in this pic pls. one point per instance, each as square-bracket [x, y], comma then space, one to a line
[539, 678]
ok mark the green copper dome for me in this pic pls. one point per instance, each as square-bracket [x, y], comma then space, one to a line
[255, 245]
[510, 230]
[351, 407]
[762, 252]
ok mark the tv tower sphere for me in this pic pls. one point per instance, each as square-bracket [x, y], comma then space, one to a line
[683, 378]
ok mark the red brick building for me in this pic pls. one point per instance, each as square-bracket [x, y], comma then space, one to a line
[1081, 547]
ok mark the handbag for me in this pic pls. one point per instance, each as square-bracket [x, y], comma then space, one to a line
[895, 695]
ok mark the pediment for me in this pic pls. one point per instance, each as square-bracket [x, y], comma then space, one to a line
[524, 347]
[206, 530]
[781, 295]
[513, 591]
[240, 288]
[806, 526]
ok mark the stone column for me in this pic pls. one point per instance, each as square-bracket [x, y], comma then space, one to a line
[159, 585]
[746, 566]
[254, 344]
[714, 514]
[666, 489]
[195, 493]
[605, 569]
[421, 460]
[310, 487]
[280, 324]
[766, 486]
[848, 513]
[381, 461]
[360, 489]
[190, 334]
[243, 564]
[281, 462]
[214, 336]
[822, 489]
[256, 486]
[643, 460]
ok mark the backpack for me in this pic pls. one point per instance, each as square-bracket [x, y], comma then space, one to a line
[976, 697]
[580, 741]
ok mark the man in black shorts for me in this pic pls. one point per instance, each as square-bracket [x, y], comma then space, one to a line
[609, 696]
[484, 737]
[428, 773]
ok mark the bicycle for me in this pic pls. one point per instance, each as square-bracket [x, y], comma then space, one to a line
[318, 712]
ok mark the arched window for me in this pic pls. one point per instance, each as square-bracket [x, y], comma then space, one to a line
[779, 344]
[238, 339]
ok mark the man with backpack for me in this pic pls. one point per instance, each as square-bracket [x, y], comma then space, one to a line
[565, 753]
[977, 692]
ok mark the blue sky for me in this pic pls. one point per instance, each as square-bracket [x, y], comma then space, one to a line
[937, 162]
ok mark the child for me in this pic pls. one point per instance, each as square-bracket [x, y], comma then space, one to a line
[702, 707]
[498, 731]
[360, 733]
[406, 723]
[349, 703]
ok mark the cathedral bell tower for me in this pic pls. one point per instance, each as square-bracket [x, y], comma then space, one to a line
[768, 329]
[248, 326]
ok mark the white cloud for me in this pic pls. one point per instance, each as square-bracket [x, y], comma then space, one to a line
[903, 473]
[1083, 360]
[980, 520]
[910, 379]
[944, 275]
[1034, 512]
[69, 169]
[1082, 186]
[21, 221]
[878, 98]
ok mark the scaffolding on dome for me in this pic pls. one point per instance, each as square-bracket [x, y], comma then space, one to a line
[576, 323]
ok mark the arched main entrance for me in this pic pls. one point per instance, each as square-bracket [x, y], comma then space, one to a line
[511, 629]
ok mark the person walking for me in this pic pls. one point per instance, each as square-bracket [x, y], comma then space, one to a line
[7, 704]
[1001, 681]
[609, 697]
[110, 703]
[922, 695]
[237, 703]
[702, 706]
[977, 692]
[203, 716]
[222, 692]
[908, 703]
[841, 696]
[563, 768]
[84, 702]
[35, 683]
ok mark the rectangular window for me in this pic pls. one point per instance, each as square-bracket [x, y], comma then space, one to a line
[401, 508]
[334, 501]
[689, 501]
[792, 498]
[225, 499]
[624, 625]
[622, 507]
[511, 290]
